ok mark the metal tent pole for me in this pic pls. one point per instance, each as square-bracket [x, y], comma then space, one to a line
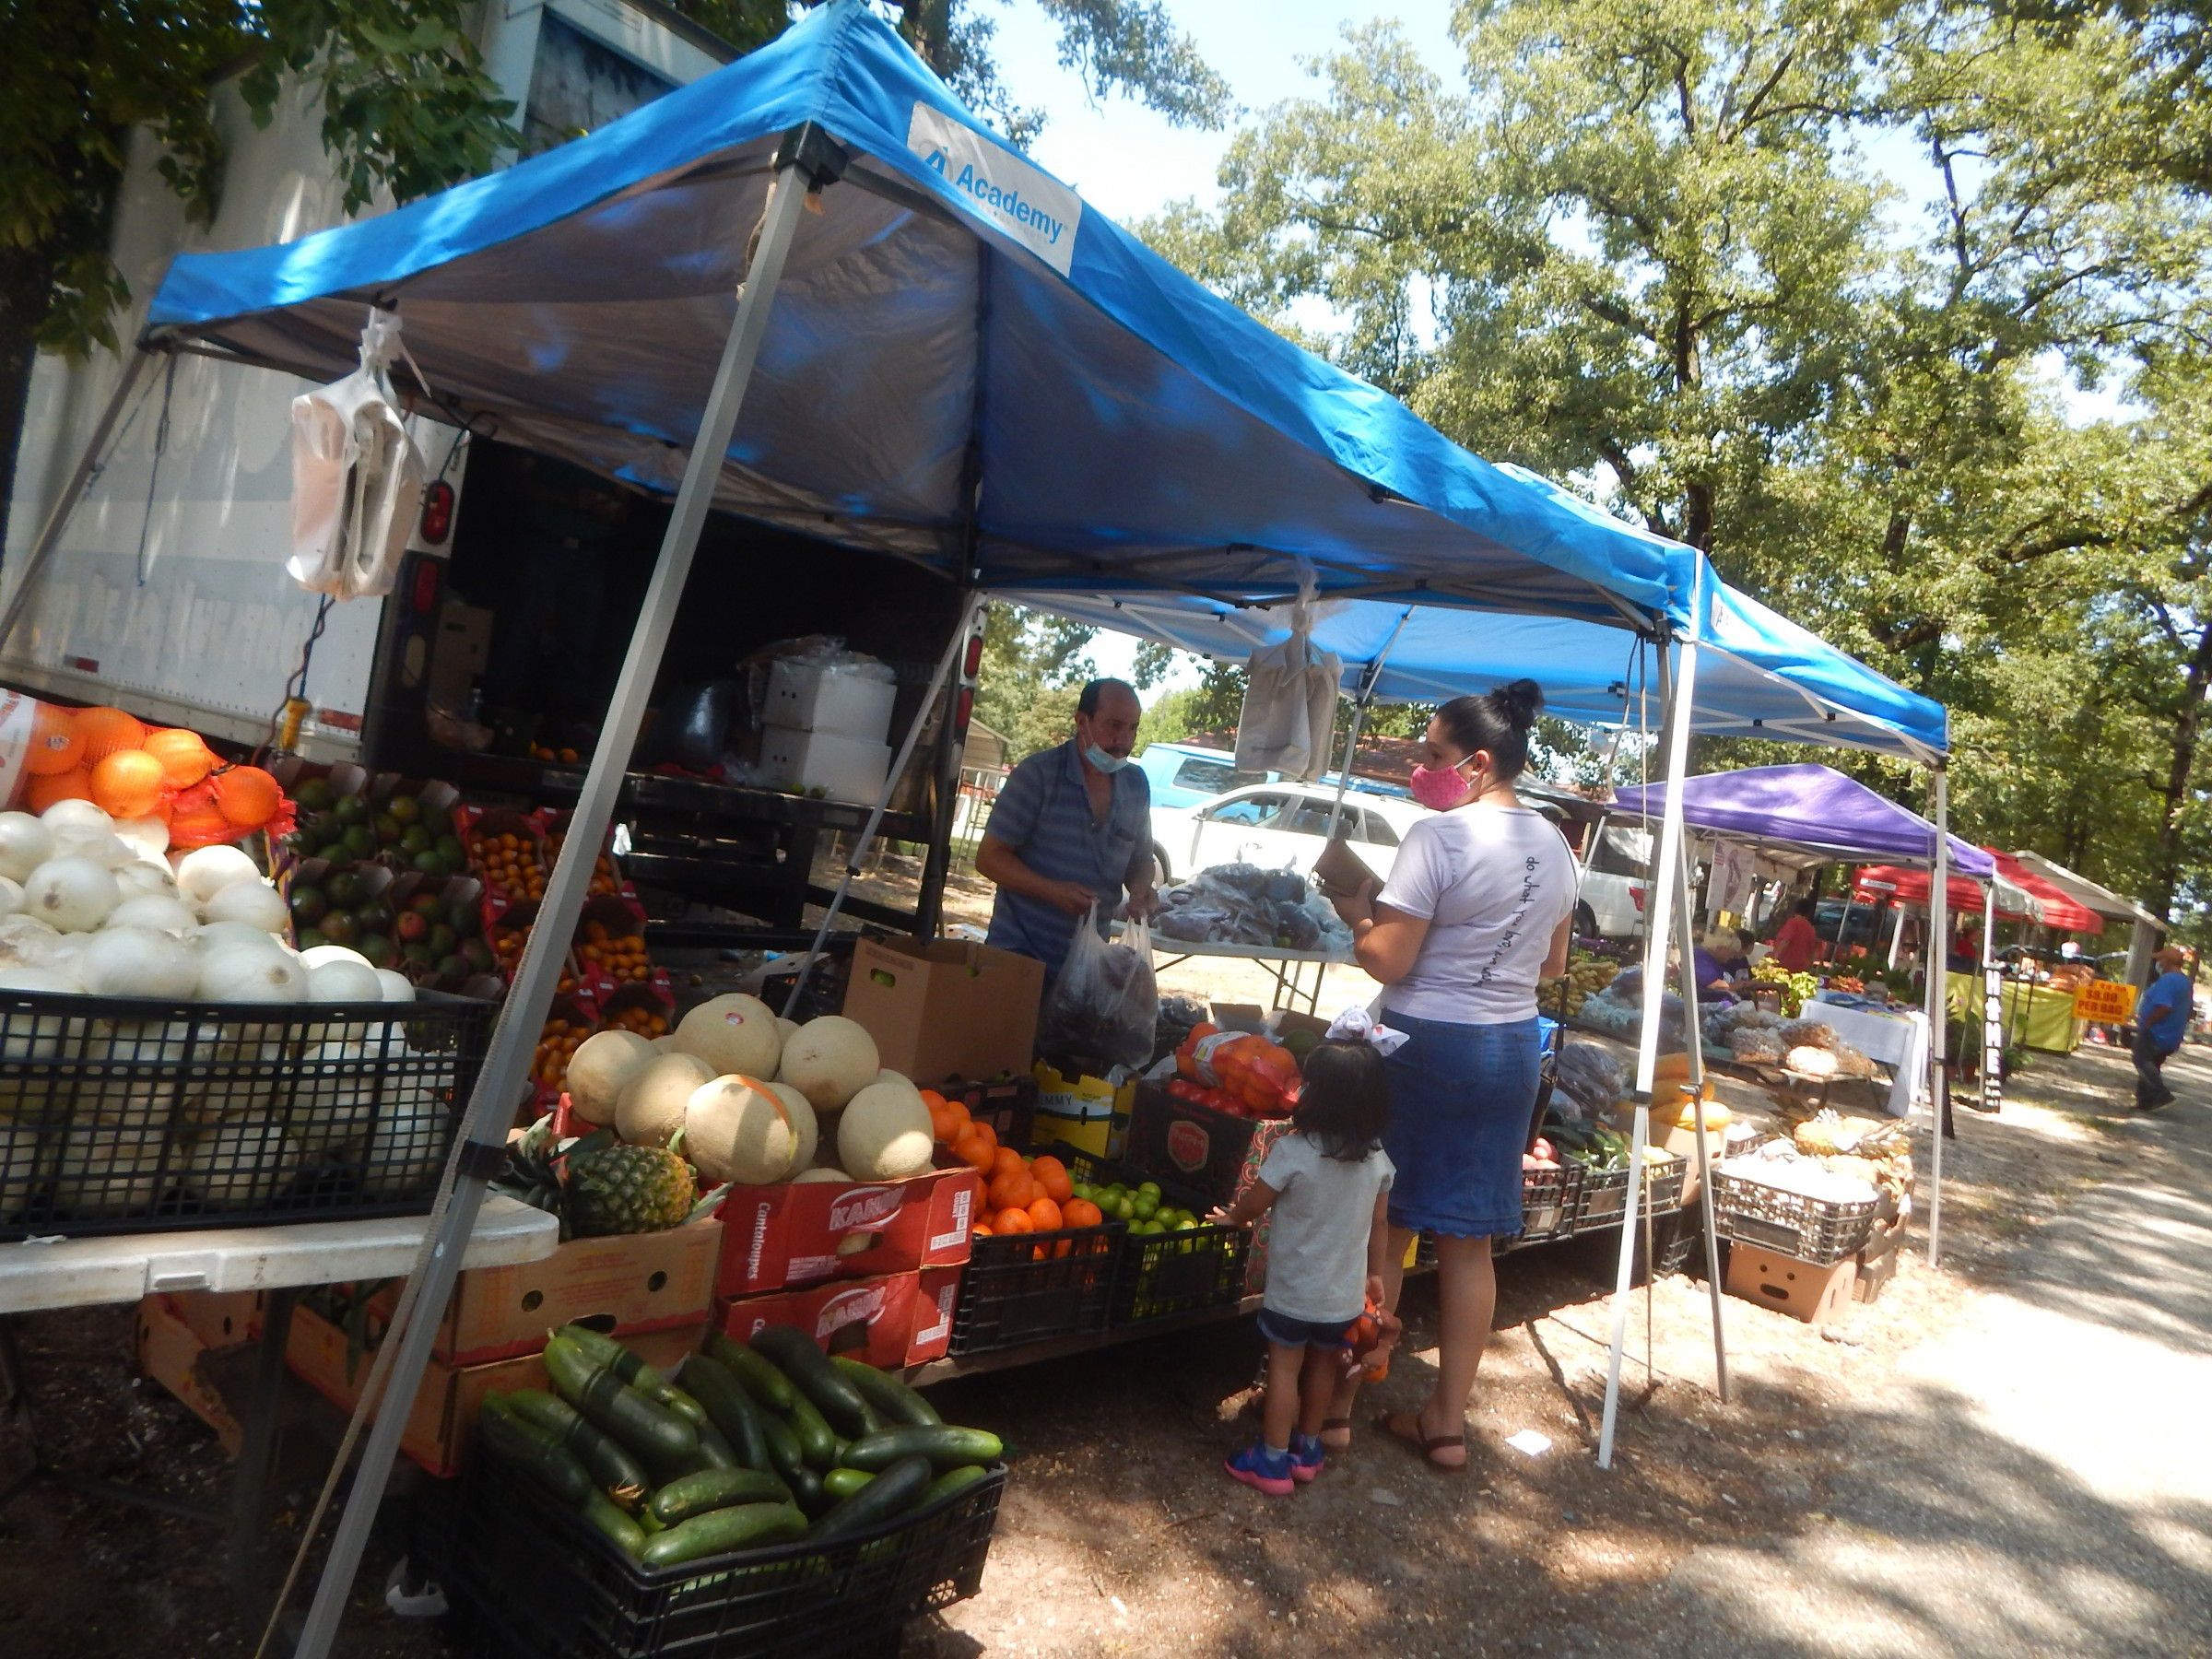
[1676, 698]
[1369, 678]
[515, 1036]
[1686, 946]
[1992, 1003]
[80, 479]
[1939, 1013]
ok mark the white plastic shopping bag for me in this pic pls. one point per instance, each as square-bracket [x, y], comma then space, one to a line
[1290, 701]
[357, 477]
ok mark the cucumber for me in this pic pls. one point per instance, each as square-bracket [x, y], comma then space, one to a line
[714, 1448]
[608, 1518]
[625, 1365]
[806, 1489]
[811, 1371]
[890, 1494]
[954, 1480]
[946, 1447]
[783, 1455]
[530, 1449]
[677, 1401]
[732, 1409]
[818, 1442]
[645, 1426]
[889, 1395]
[648, 1522]
[770, 1386]
[604, 1458]
[716, 1489]
[748, 1527]
[843, 1483]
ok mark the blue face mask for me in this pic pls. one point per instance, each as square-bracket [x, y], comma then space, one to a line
[1103, 761]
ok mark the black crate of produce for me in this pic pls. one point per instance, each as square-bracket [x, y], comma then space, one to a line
[1193, 1145]
[1025, 1287]
[1601, 1196]
[1820, 1231]
[1165, 1274]
[1010, 1108]
[535, 1582]
[1546, 1199]
[133, 1114]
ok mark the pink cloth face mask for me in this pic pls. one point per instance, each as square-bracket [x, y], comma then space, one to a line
[1438, 788]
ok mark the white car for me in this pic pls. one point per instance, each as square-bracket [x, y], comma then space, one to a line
[1279, 826]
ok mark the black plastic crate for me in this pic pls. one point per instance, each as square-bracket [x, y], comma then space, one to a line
[1025, 1287]
[1820, 1231]
[1601, 1196]
[1162, 1274]
[1195, 1146]
[536, 1582]
[1547, 1199]
[130, 1114]
[1010, 1108]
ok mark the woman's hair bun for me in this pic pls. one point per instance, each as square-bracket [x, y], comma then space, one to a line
[1520, 702]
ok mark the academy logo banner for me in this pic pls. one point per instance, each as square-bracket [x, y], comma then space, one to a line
[1030, 206]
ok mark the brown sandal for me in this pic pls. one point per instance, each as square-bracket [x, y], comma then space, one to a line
[1407, 1425]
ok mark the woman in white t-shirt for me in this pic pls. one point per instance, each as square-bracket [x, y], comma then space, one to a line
[1479, 907]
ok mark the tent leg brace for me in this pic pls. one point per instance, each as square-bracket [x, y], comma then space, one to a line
[1678, 698]
[514, 1039]
[953, 652]
[1686, 947]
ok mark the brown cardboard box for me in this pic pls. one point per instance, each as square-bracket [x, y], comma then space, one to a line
[441, 1421]
[1817, 1295]
[1874, 1275]
[945, 1008]
[626, 1283]
[218, 1318]
[170, 1351]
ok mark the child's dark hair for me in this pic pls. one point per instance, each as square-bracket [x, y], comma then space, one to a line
[1344, 1102]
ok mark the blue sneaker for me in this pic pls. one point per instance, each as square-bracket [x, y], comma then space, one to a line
[1264, 1471]
[1307, 1455]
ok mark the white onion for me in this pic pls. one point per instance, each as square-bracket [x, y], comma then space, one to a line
[147, 835]
[75, 815]
[206, 871]
[26, 941]
[316, 956]
[229, 932]
[406, 1149]
[243, 1160]
[240, 971]
[343, 982]
[11, 897]
[109, 1173]
[396, 985]
[109, 851]
[253, 902]
[161, 911]
[38, 1038]
[137, 961]
[25, 844]
[139, 877]
[72, 895]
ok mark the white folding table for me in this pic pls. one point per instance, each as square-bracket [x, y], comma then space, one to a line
[278, 1260]
[1899, 1041]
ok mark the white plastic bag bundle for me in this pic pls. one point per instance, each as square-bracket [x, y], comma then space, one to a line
[357, 477]
[1290, 701]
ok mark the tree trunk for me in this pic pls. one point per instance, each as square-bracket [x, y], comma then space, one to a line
[26, 286]
[2188, 725]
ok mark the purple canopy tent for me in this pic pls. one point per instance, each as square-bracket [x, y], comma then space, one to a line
[1811, 807]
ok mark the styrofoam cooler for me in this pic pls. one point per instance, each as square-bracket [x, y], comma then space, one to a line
[816, 697]
[844, 769]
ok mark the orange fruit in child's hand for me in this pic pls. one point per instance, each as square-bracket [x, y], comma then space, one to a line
[1012, 1221]
[1051, 1175]
[1044, 1215]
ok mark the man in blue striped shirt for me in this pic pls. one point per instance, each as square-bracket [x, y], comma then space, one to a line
[1072, 827]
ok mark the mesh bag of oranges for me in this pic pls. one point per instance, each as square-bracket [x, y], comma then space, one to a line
[130, 769]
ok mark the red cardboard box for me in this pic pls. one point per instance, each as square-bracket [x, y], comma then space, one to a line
[897, 1319]
[803, 1232]
[627, 1285]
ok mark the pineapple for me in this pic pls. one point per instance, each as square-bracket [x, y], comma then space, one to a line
[629, 1189]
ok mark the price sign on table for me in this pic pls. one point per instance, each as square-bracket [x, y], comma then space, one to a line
[2102, 1002]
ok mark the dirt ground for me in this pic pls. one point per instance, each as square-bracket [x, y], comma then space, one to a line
[1120, 1534]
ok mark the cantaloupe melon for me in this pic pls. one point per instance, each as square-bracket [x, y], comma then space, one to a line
[601, 1068]
[786, 1028]
[884, 1133]
[829, 1060]
[650, 1107]
[808, 1125]
[736, 1035]
[741, 1129]
[821, 1174]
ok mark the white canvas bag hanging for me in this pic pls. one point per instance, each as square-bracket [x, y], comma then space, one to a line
[1289, 713]
[357, 477]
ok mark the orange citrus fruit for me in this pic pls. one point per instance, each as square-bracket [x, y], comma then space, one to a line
[127, 783]
[1051, 1175]
[1012, 1221]
[74, 784]
[55, 745]
[105, 731]
[247, 796]
[186, 759]
[1044, 1215]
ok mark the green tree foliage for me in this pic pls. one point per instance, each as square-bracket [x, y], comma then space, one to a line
[1791, 281]
[1033, 668]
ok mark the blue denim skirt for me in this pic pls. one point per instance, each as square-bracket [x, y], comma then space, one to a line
[1460, 1101]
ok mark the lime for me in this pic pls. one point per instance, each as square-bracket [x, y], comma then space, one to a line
[351, 809]
[386, 827]
[315, 794]
[1146, 1207]
[308, 905]
[360, 840]
[1150, 1188]
[405, 808]
[415, 838]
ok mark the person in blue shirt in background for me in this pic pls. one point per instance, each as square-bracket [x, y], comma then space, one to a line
[2162, 1017]
[1072, 827]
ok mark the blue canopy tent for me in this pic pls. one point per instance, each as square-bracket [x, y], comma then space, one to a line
[966, 368]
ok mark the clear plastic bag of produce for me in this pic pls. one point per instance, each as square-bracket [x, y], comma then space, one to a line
[1244, 904]
[1104, 1008]
[1588, 1077]
[1757, 1045]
